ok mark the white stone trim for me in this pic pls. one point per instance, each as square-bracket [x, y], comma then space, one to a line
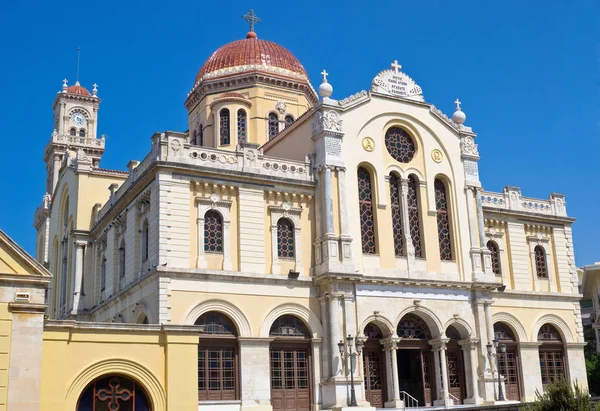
[225, 307]
[427, 315]
[285, 210]
[556, 321]
[496, 237]
[214, 202]
[303, 313]
[514, 324]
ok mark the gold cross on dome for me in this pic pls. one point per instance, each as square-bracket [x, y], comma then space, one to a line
[251, 18]
[397, 67]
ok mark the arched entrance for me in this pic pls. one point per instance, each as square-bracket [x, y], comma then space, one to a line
[455, 365]
[290, 365]
[217, 358]
[374, 367]
[114, 392]
[415, 359]
[509, 363]
[552, 354]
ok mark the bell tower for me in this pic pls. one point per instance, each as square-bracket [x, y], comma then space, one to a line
[75, 128]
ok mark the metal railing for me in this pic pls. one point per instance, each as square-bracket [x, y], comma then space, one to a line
[409, 400]
[453, 397]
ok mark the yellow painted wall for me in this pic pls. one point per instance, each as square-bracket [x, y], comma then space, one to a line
[163, 362]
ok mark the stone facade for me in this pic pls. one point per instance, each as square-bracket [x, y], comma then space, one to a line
[326, 220]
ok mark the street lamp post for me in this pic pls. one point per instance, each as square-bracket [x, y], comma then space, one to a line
[351, 355]
[496, 355]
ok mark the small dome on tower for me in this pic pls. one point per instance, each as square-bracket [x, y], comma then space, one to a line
[78, 89]
[325, 89]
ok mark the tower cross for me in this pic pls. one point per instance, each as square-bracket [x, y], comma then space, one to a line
[396, 66]
[325, 74]
[251, 18]
[458, 103]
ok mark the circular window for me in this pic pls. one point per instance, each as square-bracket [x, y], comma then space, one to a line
[399, 144]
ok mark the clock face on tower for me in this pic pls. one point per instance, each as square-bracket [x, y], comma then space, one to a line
[78, 119]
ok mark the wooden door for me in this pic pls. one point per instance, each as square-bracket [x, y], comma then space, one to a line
[290, 378]
[374, 372]
[509, 369]
[455, 366]
[427, 370]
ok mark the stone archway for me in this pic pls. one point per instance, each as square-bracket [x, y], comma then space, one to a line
[374, 365]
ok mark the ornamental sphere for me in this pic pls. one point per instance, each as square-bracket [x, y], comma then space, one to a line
[459, 117]
[325, 90]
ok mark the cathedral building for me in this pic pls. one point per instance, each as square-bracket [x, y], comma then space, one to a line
[293, 251]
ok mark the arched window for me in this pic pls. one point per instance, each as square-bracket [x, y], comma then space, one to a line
[114, 392]
[273, 125]
[289, 326]
[122, 259]
[503, 333]
[242, 127]
[285, 239]
[82, 133]
[399, 144]
[367, 220]
[213, 232]
[288, 120]
[73, 132]
[540, 262]
[413, 327]
[413, 214]
[217, 358]
[493, 247]
[396, 215]
[63, 273]
[145, 241]
[443, 220]
[552, 361]
[224, 127]
[200, 136]
[193, 141]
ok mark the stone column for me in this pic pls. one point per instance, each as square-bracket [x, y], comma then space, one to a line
[317, 371]
[275, 269]
[298, 249]
[389, 383]
[395, 402]
[488, 321]
[530, 364]
[335, 328]
[201, 260]
[469, 348]
[78, 280]
[439, 345]
[55, 170]
[409, 248]
[345, 238]
[325, 340]
[328, 206]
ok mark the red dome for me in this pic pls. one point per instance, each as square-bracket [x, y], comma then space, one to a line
[78, 89]
[252, 51]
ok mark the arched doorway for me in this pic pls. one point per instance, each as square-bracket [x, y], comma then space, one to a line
[455, 365]
[217, 358]
[509, 363]
[290, 365]
[374, 366]
[114, 392]
[415, 359]
[552, 354]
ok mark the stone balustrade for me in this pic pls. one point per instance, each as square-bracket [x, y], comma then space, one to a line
[511, 199]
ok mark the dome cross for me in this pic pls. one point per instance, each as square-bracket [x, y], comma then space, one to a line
[325, 74]
[251, 18]
[397, 67]
[458, 103]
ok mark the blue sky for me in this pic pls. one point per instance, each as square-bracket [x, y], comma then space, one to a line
[526, 72]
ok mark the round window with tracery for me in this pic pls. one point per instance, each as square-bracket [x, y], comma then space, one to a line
[399, 144]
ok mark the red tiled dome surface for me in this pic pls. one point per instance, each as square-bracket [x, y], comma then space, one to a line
[251, 51]
[79, 90]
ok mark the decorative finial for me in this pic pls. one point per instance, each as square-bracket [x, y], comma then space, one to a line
[65, 85]
[251, 18]
[325, 89]
[397, 67]
[458, 117]
[95, 90]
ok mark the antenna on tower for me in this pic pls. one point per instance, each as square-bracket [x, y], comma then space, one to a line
[78, 53]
